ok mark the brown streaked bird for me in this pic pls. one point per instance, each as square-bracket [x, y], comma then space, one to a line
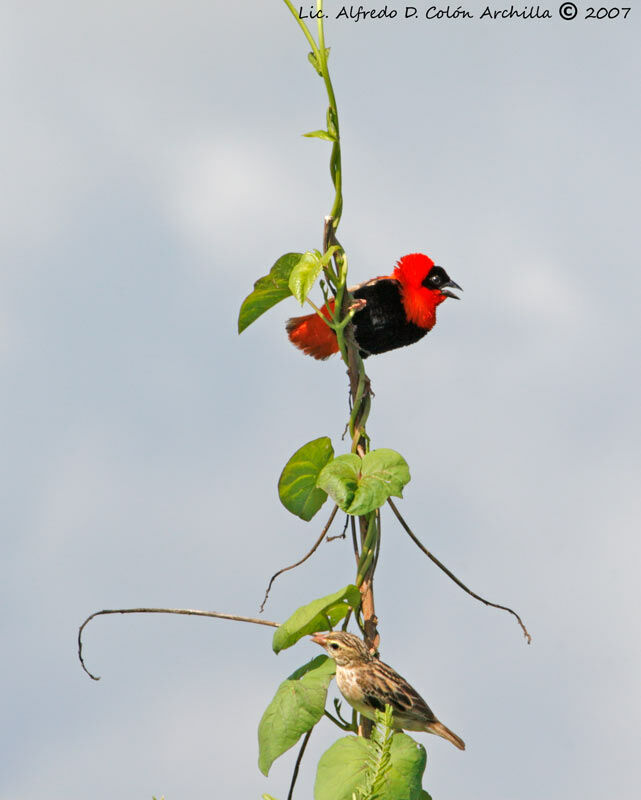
[369, 685]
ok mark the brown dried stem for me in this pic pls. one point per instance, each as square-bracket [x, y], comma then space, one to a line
[354, 540]
[451, 575]
[301, 753]
[342, 534]
[187, 611]
[303, 559]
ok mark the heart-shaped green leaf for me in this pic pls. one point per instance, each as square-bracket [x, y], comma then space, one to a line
[339, 478]
[304, 275]
[319, 615]
[359, 486]
[297, 483]
[268, 290]
[342, 770]
[297, 706]
[384, 473]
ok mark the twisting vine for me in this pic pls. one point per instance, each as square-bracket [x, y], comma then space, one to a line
[360, 483]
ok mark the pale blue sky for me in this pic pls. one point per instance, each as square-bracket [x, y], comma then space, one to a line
[152, 168]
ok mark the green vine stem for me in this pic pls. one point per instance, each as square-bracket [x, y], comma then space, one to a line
[304, 28]
[337, 277]
[341, 315]
[369, 548]
[319, 60]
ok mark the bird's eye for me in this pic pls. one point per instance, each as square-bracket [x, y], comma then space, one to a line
[436, 277]
[334, 645]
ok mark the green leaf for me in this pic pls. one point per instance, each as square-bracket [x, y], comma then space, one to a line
[332, 123]
[359, 486]
[339, 479]
[408, 765]
[317, 668]
[268, 290]
[319, 615]
[328, 137]
[297, 483]
[342, 770]
[384, 473]
[311, 57]
[327, 257]
[297, 706]
[304, 275]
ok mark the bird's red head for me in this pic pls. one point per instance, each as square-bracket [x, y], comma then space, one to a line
[423, 287]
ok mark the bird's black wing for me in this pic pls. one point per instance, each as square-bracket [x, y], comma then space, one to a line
[382, 324]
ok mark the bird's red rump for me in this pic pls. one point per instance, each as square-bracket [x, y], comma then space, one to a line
[311, 335]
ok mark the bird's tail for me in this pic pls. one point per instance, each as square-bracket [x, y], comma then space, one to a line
[311, 335]
[440, 730]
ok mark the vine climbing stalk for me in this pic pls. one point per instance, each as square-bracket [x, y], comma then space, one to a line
[360, 394]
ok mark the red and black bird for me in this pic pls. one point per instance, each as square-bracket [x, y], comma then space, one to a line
[399, 309]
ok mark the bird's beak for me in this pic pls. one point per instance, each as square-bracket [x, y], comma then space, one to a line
[451, 294]
[319, 638]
